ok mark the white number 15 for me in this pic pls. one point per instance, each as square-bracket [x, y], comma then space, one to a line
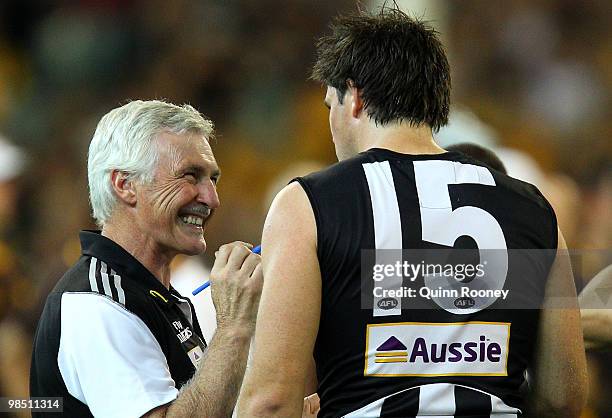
[442, 225]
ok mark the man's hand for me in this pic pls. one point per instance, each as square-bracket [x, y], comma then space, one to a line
[236, 282]
[311, 406]
[595, 312]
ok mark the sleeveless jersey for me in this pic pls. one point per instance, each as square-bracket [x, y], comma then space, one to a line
[409, 355]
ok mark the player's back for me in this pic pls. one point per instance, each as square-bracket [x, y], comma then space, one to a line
[452, 353]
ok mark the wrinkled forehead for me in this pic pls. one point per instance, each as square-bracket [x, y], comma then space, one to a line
[185, 149]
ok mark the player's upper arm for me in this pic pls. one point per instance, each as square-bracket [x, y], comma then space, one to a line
[288, 318]
[560, 381]
[109, 359]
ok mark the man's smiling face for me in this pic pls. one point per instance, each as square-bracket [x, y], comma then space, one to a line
[173, 208]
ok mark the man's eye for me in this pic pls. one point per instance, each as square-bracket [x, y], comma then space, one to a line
[215, 179]
[190, 176]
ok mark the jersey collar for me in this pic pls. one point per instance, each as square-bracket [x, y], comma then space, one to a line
[94, 244]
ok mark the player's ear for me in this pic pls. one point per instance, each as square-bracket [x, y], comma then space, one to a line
[124, 186]
[356, 99]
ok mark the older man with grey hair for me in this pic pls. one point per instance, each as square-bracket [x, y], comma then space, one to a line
[115, 339]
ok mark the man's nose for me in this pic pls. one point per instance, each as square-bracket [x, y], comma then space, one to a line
[207, 193]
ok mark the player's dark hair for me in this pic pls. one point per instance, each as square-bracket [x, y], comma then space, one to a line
[481, 154]
[398, 63]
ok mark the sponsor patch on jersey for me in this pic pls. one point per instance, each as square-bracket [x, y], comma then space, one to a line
[195, 355]
[437, 349]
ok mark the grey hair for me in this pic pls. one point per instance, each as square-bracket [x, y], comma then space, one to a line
[124, 140]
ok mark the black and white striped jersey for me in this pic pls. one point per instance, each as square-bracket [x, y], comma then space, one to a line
[112, 340]
[411, 355]
[437, 399]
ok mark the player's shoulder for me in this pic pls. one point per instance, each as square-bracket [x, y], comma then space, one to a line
[340, 174]
[508, 184]
[521, 188]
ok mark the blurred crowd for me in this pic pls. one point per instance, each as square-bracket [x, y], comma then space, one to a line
[531, 79]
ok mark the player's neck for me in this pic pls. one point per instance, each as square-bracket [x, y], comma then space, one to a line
[401, 138]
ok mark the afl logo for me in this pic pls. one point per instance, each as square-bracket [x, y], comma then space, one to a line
[464, 303]
[387, 303]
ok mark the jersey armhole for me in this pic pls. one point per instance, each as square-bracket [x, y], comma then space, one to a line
[555, 226]
[554, 247]
[553, 220]
[315, 210]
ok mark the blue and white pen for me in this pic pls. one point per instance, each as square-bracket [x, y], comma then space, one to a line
[256, 250]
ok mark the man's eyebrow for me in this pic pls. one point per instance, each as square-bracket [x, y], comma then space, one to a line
[190, 167]
[215, 172]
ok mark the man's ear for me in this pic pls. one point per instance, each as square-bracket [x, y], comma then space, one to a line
[123, 186]
[356, 99]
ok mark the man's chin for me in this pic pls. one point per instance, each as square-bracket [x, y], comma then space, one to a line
[190, 240]
[196, 249]
[190, 245]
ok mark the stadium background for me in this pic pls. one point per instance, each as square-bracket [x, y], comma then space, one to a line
[531, 76]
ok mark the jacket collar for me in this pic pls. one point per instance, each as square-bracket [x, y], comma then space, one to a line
[94, 244]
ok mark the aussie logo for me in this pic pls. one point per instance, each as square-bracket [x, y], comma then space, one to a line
[391, 351]
[437, 349]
